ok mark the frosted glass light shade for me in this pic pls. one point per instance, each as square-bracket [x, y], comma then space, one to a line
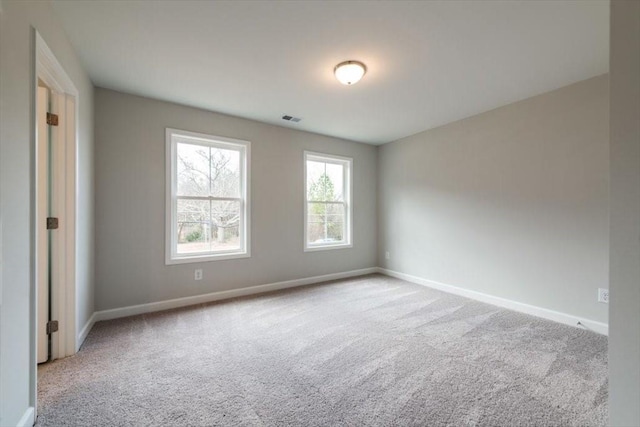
[349, 72]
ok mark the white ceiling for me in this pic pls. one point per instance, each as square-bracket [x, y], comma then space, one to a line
[429, 63]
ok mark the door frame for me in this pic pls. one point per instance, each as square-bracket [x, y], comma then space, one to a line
[63, 291]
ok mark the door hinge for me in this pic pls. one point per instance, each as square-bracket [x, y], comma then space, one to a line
[52, 326]
[52, 223]
[52, 119]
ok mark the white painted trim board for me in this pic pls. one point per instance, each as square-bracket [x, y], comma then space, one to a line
[556, 316]
[29, 418]
[64, 99]
[221, 295]
[85, 331]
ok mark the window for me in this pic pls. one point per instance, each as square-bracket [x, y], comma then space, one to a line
[327, 207]
[207, 197]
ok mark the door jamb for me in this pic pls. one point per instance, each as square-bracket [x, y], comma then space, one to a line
[63, 292]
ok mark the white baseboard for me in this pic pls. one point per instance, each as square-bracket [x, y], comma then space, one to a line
[216, 296]
[567, 319]
[28, 419]
[556, 316]
[85, 331]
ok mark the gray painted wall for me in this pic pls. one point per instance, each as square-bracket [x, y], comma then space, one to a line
[511, 203]
[130, 204]
[16, 153]
[624, 336]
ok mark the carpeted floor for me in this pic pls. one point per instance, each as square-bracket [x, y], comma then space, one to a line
[360, 352]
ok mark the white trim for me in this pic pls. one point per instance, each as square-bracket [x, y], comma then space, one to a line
[327, 247]
[244, 148]
[50, 70]
[556, 316]
[347, 164]
[221, 295]
[71, 184]
[208, 257]
[65, 101]
[85, 330]
[41, 249]
[28, 419]
[58, 238]
[65, 104]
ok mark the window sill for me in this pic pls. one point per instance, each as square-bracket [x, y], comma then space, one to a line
[327, 247]
[206, 258]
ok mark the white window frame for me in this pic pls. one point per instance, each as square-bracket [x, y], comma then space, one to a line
[244, 148]
[347, 164]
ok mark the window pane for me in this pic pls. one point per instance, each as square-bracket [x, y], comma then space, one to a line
[334, 182]
[194, 226]
[325, 223]
[315, 185]
[207, 226]
[225, 221]
[325, 181]
[225, 173]
[335, 222]
[193, 170]
[207, 171]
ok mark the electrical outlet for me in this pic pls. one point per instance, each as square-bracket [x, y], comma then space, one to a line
[603, 295]
[387, 255]
[198, 274]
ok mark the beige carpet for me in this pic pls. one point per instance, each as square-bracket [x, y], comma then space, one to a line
[369, 351]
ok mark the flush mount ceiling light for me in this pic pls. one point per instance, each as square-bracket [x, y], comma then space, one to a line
[349, 72]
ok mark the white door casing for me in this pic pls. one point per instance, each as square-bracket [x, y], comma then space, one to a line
[63, 138]
[42, 211]
[63, 102]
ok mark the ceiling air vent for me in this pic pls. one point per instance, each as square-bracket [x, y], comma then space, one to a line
[291, 118]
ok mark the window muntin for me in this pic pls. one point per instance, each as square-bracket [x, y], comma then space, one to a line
[207, 198]
[327, 201]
